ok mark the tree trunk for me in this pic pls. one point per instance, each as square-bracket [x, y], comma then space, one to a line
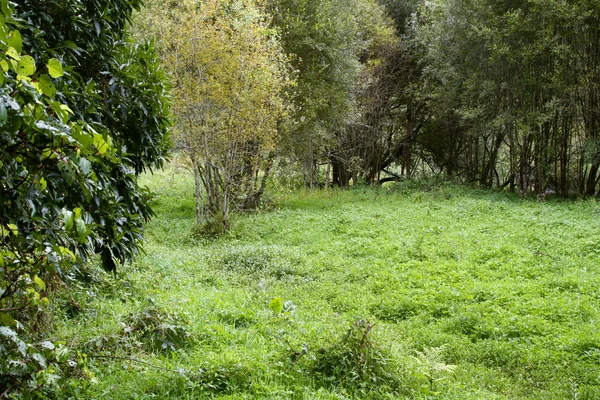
[198, 191]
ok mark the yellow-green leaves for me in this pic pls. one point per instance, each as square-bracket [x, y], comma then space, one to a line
[15, 41]
[47, 87]
[26, 66]
[42, 184]
[55, 68]
[12, 53]
[39, 283]
[8, 229]
[276, 305]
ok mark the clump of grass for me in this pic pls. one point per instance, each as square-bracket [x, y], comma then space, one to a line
[356, 361]
[158, 329]
[260, 260]
[222, 378]
[395, 309]
[216, 227]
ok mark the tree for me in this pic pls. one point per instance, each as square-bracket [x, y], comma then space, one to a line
[514, 91]
[228, 74]
[82, 111]
[331, 42]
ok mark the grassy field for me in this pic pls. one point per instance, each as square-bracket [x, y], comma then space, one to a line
[402, 292]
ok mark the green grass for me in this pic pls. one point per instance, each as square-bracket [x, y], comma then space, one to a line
[505, 290]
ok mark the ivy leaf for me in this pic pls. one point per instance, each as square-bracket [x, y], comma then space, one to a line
[26, 66]
[55, 68]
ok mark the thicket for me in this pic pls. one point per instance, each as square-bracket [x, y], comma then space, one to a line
[83, 111]
[337, 93]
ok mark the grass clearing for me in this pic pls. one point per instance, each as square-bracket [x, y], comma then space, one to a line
[403, 292]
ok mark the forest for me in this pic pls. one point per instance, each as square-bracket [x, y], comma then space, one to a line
[299, 199]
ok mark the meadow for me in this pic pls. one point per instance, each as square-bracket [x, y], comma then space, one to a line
[416, 290]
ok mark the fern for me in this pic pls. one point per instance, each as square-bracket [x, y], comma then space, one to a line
[432, 365]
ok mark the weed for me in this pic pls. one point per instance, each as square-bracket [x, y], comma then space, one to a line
[432, 366]
[395, 309]
[158, 329]
[509, 288]
[355, 360]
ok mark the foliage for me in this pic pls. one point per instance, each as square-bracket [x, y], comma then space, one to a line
[513, 92]
[159, 329]
[69, 154]
[355, 360]
[330, 43]
[228, 74]
[507, 288]
[432, 365]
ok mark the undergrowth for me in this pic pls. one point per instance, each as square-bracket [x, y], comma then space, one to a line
[469, 294]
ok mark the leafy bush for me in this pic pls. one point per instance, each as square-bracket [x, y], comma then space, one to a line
[48, 368]
[83, 110]
[271, 261]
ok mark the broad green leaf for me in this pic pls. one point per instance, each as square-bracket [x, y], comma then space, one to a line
[26, 66]
[69, 219]
[100, 144]
[43, 184]
[77, 212]
[13, 53]
[7, 320]
[85, 166]
[66, 252]
[41, 360]
[12, 335]
[4, 65]
[276, 305]
[47, 86]
[4, 7]
[15, 41]
[3, 114]
[39, 283]
[80, 225]
[47, 153]
[55, 68]
[47, 345]
[66, 108]
[13, 229]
